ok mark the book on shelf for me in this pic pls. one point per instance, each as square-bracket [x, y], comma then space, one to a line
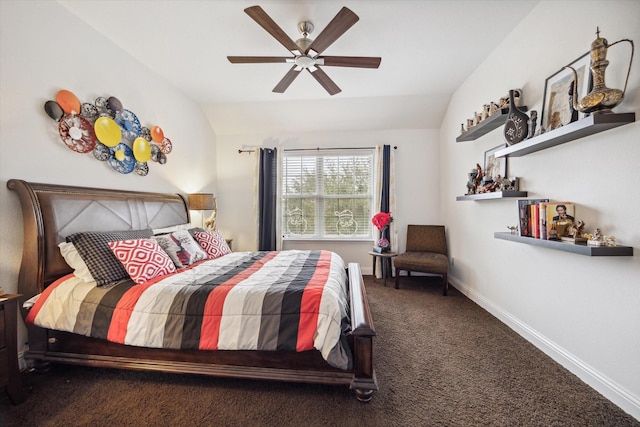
[542, 220]
[527, 209]
[559, 216]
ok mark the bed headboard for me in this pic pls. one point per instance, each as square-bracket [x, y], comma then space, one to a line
[51, 212]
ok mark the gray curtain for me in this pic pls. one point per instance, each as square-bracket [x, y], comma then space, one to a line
[267, 192]
[386, 179]
[384, 196]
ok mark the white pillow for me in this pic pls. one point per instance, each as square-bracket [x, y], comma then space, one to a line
[75, 261]
[171, 229]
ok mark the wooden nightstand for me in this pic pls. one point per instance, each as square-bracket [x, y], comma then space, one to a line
[9, 369]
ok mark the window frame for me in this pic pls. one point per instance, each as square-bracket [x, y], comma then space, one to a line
[320, 197]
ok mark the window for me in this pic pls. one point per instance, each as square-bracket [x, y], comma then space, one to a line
[327, 194]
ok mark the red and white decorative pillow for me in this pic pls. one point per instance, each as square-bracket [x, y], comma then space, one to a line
[213, 243]
[143, 259]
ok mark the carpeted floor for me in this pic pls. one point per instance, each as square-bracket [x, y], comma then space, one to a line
[440, 361]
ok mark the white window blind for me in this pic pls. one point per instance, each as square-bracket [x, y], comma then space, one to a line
[328, 194]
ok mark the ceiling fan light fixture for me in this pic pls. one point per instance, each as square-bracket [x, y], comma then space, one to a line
[304, 61]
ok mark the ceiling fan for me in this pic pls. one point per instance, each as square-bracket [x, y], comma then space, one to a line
[306, 52]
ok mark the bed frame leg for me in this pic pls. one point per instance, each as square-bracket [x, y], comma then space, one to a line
[364, 395]
[364, 378]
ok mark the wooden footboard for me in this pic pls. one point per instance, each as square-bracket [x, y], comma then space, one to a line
[364, 375]
[42, 264]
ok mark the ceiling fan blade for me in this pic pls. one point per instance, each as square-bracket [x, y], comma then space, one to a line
[351, 61]
[286, 80]
[325, 81]
[256, 59]
[261, 17]
[337, 27]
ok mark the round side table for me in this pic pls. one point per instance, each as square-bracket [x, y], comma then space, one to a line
[385, 259]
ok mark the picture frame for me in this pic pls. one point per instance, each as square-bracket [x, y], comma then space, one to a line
[494, 166]
[557, 110]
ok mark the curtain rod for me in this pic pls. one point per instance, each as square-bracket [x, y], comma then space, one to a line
[336, 148]
[395, 147]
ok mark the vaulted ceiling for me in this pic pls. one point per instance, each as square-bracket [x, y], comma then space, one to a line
[428, 48]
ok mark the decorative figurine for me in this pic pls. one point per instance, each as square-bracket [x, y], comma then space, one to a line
[596, 239]
[485, 111]
[532, 123]
[573, 233]
[469, 124]
[474, 180]
[504, 184]
[513, 229]
[479, 175]
[471, 182]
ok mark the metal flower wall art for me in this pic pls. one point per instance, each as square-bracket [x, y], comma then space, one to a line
[113, 134]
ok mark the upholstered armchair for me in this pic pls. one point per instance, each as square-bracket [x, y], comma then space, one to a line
[426, 252]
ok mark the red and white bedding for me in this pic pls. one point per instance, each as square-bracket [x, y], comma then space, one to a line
[282, 300]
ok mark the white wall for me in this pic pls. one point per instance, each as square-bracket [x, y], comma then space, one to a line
[43, 49]
[417, 183]
[582, 311]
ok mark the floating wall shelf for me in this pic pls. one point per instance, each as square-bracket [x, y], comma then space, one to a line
[492, 122]
[582, 249]
[493, 195]
[590, 125]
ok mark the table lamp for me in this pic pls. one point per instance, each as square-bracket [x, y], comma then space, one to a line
[204, 202]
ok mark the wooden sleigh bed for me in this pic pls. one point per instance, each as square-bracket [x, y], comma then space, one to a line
[51, 212]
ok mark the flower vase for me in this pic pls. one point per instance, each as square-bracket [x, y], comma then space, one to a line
[383, 243]
[516, 127]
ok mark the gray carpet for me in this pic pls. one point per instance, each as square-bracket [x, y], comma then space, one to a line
[441, 361]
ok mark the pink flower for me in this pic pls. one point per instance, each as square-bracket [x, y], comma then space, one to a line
[381, 220]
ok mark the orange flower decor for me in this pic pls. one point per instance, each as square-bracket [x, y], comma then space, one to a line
[381, 220]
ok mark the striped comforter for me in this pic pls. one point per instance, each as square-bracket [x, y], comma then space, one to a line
[282, 300]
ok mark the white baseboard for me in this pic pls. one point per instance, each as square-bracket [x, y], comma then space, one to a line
[613, 391]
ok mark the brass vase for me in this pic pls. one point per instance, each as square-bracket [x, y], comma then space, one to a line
[601, 99]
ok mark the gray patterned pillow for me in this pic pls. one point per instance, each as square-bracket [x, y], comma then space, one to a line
[93, 248]
[181, 247]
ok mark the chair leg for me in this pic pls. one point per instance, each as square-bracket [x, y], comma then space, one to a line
[397, 278]
[446, 284]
